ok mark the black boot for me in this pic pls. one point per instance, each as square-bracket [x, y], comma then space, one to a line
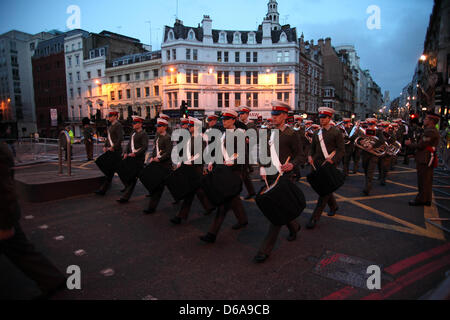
[312, 223]
[260, 258]
[208, 238]
[176, 220]
[104, 188]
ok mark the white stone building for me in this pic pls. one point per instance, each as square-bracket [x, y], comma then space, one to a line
[213, 69]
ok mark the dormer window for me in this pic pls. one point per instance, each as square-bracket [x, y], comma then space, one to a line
[222, 37]
[171, 36]
[191, 35]
[251, 38]
[283, 37]
[237, 38]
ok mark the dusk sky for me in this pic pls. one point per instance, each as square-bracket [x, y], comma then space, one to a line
[390, 53]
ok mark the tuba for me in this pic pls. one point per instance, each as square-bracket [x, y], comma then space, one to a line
[367, 143]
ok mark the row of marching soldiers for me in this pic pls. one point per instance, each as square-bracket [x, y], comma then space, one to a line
[218, 186]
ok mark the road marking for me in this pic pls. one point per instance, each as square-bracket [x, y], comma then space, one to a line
[342, 294]
[432, 212]
[408, 279]
[408, 262]
[402, 184]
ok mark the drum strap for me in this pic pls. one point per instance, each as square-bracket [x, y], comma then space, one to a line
[158, 152]
[224, 151]
[273, 152]
[322, 145]
[132, 143]
[110, 140]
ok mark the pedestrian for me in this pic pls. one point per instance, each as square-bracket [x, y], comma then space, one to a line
[88, 134]
[13, 242]
[426, 159]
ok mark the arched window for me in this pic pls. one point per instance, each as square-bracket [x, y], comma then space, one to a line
[251, 38]
[171, 36]
[222, 37]
[283, 37]
[237, 38]
[191, 35]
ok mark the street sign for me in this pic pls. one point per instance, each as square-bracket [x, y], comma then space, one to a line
[54, 117]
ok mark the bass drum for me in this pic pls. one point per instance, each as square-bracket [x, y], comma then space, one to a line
[153, 176]
[183, 181]
[221, 185]
[281, 203]
[108, 163]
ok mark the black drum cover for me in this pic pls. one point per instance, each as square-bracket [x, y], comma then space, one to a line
[327, 179]
[153, 175]
[221, 185]
[108, 163]
[129, 169]
[283, 203]
[183, 181]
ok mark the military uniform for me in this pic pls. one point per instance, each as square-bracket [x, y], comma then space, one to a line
[164, 145]
[138, 145]
[349, 150]
[334, 141]
[290, 146]
[384, 162]
[246, 167]
[235, 203]
[370, 161]
[114, 140]
[425, 150]
[187, 202]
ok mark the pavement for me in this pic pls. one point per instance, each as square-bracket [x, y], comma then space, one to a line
[124, 254]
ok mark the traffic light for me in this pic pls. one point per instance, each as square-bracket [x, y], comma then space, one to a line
[184, 110]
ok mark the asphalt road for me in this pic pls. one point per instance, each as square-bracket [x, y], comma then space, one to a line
[152, 259]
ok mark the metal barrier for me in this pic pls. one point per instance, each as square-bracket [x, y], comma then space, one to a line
[444, 152]
[64, 136]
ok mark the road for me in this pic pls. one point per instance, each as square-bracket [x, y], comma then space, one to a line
[149, 258]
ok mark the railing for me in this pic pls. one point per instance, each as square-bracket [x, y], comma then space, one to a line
[444, 151]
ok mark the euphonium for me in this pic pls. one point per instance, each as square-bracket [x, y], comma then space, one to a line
[366, 143]
[297, 126]
[393, 148]
[309, 132]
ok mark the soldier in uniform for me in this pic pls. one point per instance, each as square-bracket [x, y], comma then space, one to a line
[289, 147]
[384, 162]
[167, 118]
[229, 120]
[333, 141]
[426, 159]
[88, 134]
[136, 148]
[349, 147]
[162, 153]
[246, 124]
[114, 144]
[370, 160]
[187, 202]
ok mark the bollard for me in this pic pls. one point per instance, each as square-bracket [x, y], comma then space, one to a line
[64, 135]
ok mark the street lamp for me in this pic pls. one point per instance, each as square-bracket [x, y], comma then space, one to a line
[423, 58]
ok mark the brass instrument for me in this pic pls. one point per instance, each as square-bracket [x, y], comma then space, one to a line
[340, 126]
[297, 126]
[366, 143]
[309, 132]
[357, 130]
[393, 148]
[267, 125]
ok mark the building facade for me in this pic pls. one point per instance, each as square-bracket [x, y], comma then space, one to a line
[213, 70]
[135, 85]
[17, 105]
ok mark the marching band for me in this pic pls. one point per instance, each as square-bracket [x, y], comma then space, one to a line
[290, 146]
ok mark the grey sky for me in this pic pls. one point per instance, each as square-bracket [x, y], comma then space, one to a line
[389, 53]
